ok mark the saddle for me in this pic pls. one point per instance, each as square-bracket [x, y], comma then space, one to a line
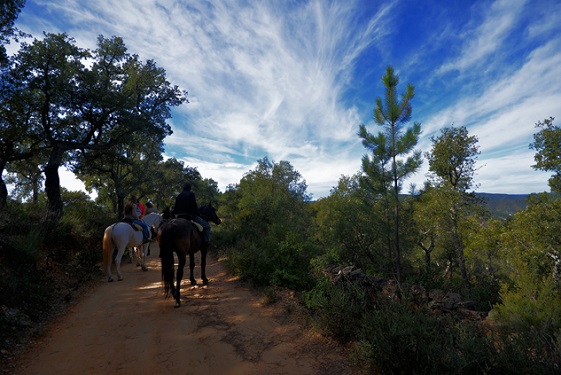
[130, 221]
[190, 218]
[137, 227]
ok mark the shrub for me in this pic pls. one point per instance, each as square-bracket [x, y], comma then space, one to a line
[390, 337]
[265, 262]
[338, 309]
[41, 263]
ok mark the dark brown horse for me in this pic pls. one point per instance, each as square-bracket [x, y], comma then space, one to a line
[181, 236]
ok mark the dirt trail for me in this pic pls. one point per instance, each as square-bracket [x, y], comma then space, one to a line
[128, 327]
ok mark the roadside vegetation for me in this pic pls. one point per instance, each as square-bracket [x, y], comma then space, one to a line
[367, 261]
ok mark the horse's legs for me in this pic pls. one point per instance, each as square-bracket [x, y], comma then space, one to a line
[118, 258]
[142, 251]
[109, 263]
[181, 260]
[203, 266]
[192, 268]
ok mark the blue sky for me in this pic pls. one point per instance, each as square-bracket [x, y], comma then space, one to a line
[293, 79]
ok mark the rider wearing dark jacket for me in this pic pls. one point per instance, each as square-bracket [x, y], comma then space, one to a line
[187, 208]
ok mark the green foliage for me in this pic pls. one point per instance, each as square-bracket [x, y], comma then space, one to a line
[42, 263]
[452, 163]
[267, 226]
[21, 241]
[268, 262]
[453, 156]
[532, 243]
[338, 309]
[351, 228]
[122, 169]
[547, 143]
[391, 337]
[83, 222]
[528, 322]
[9, 12]
[530, 307]
[484, 260]
[90, 107]
[526, 353]
[398, 340]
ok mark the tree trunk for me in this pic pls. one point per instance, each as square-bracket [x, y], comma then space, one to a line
[396, 207]
[459, 247]
[120, 196]
[52, 188]
[388, 228]
[556, 271]
[35, 197]
[120, 207]
[397, 250]
[396, 224]
[428, 250]
[3, 188]
[52, 184]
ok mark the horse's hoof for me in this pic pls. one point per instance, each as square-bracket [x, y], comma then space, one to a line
[110, 280]
[145, 268]
[138, 264]
[193, 282]
[121, 278]
[205, 281]
[177, 304]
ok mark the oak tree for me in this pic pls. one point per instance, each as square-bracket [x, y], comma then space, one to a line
[452, 162]
[547, 143]
[91, 100]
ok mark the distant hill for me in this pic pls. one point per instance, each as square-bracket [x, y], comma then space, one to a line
[503, 206]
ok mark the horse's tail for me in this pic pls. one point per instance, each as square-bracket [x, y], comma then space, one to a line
[107, 246]
[166, 253]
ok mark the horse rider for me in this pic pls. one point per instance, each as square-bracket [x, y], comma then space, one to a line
[135, 217]
[186, 207]
[150, 208]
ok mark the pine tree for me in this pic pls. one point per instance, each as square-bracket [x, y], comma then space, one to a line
[392, 149]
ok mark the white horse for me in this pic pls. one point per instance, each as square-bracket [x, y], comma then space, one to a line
[122, 235]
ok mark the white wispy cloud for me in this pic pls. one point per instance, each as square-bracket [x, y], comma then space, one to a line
[278, 79]
[485, 39]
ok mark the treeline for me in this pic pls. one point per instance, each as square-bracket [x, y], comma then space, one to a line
[274, 236]
[102, 113]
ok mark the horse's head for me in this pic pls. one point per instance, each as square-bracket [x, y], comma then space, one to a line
[208, 213]
[166, 215]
